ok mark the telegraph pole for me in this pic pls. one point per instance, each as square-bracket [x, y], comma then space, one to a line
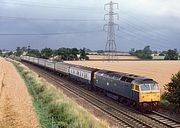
[110, 48]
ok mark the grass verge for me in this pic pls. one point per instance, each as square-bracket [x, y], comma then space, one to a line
[54, 109]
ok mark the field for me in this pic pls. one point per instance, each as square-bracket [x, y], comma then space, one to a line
[16, 110]
[101, 57]
[161, 71]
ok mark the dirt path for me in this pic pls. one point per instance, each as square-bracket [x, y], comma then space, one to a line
[16, 109]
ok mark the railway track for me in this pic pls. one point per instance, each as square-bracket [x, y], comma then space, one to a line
[123, 118]
[169, 122]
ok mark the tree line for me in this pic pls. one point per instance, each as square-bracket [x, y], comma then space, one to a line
[146, 53]
[56, 54]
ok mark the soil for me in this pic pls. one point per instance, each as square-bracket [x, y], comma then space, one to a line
[16, 109]
[161, 71]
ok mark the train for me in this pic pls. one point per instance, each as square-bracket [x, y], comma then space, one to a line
[133, 90]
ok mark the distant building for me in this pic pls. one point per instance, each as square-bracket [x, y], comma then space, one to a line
[155, 54]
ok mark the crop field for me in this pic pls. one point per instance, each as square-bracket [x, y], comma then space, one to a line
[16, 109]
[161, 71]
[101, 57]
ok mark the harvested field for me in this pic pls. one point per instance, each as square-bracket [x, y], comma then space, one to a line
[161, 71]
[101, 57]
[16, 110]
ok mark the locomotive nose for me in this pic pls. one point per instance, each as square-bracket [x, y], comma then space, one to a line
[149, 96]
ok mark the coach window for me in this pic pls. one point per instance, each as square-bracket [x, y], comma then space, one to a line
[85, 76]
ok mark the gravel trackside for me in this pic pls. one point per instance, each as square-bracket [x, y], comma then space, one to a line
[16, 109]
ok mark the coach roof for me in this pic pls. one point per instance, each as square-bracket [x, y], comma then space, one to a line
[83, 67]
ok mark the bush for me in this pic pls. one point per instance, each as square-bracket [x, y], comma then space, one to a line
[143, 54]
[171, 55]
[172, 93]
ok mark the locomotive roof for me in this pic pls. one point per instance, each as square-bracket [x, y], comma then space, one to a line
[126, 76]
[144, 80]
[117, 74]
[84, 68]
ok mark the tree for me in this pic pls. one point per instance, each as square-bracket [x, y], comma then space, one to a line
[171, 55]
[147, 52]
[46, 53]
[132, 51]
[0, 52]
[83, 54]
[67, 53]
[172, 93]
[144, 54]
[34, 53]
[19, 51]
[74, 52]
[100, 51]
[161, 54]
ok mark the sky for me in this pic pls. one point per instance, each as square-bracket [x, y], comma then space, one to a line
[79, 23]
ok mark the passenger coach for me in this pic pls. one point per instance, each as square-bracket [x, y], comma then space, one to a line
[131, 89]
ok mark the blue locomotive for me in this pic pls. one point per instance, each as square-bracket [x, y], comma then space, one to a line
[131, 89]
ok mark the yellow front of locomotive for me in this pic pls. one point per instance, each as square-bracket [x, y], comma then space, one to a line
[149, 95]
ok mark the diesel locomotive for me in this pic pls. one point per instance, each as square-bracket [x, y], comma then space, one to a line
[133, 90]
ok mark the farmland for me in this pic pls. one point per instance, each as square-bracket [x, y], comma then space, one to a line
[123, 57]
[161, 71]
[15, 103]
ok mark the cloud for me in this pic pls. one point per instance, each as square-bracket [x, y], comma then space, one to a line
[153, 7]
[142, 22]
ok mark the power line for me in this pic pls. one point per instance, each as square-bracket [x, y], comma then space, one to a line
[47, 34]
[45, 6]
[36, 2]
[44, 19]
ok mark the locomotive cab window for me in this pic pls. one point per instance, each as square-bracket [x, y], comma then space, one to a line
[145, 87]
[137, 87]
[154, 87]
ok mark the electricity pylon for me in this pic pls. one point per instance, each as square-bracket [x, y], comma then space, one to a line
[110, 48]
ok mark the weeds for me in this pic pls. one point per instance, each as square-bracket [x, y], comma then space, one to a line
[53, 108]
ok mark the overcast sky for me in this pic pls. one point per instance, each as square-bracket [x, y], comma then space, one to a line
[142, 22]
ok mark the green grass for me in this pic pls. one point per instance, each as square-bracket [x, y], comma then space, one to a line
[52, 105]
[158, 57]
